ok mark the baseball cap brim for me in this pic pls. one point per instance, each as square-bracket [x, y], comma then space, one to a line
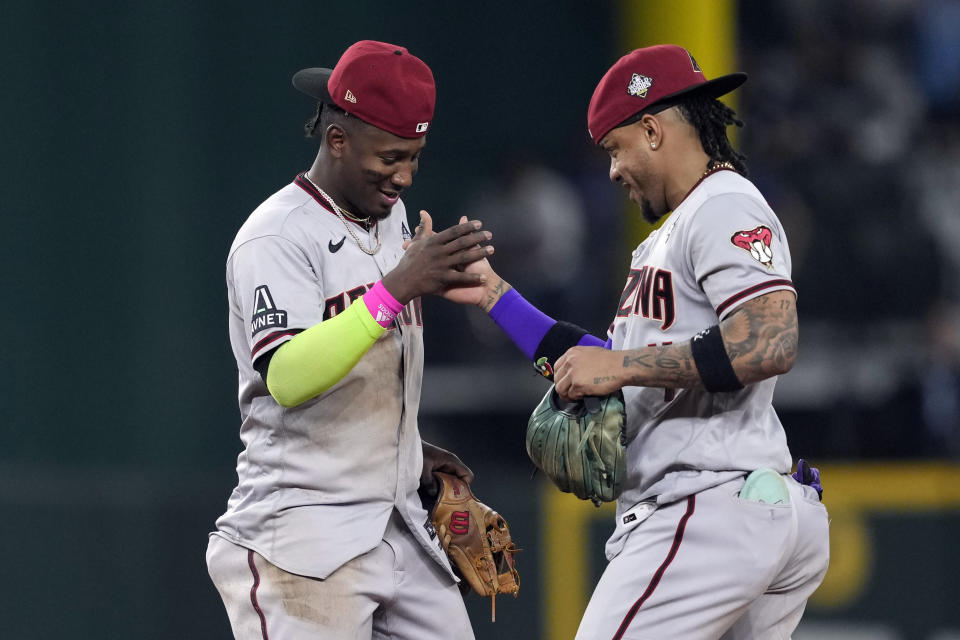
[713, 88]
[313, 82]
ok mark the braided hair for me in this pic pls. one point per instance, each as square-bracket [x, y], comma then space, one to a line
[325, 115]
[311, 125]
[710, 118]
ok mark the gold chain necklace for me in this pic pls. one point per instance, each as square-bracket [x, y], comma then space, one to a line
[726, 164]
[333, 205]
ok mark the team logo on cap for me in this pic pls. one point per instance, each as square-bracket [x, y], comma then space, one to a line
[350, 97]
[756, 242]
[422, 126]
[696, 67]
[638, 85]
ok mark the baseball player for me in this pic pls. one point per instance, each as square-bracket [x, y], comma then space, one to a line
[714, 538]
[325, 535]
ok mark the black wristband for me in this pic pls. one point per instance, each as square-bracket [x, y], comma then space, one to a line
[713, 363]
[557, 340]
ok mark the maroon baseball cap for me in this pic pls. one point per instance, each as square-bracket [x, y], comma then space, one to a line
[380, 83]
[652, 77]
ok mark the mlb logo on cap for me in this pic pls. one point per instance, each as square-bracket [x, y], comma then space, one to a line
[652, 77]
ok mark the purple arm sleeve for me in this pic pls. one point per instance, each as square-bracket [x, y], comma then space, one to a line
[526, 325]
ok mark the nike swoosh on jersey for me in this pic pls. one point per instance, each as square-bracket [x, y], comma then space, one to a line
[336, 247]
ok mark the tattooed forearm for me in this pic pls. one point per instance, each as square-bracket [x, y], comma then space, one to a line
[761, 336]
[640, 360]
[494, 295]
[668, 366]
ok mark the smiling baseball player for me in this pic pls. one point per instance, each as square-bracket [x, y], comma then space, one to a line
[714, 538]
[325, 535]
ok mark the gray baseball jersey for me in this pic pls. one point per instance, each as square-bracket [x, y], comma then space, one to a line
[690, 558]
[318, 482]
[722, 246]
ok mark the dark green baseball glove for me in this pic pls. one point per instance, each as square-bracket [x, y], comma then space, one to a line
[580, 445]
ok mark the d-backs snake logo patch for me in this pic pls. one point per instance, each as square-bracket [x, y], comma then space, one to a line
[756, 242]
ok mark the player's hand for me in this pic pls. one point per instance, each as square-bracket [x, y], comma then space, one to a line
[588, 371]
[479, 295]
[435, 262]
[437, 459]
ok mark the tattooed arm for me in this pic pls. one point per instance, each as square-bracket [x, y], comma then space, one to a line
[760, 337]
[494, 290]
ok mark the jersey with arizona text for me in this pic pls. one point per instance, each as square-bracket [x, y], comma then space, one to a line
[318, 482]
[721, 247]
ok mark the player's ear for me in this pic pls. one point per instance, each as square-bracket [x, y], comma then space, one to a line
[335, 138]
[651, 131]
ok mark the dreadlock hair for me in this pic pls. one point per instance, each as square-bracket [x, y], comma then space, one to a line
[311, 125]
[710, 118]
[325, 115]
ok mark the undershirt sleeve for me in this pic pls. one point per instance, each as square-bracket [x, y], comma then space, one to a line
[316, 359]
[531, 329]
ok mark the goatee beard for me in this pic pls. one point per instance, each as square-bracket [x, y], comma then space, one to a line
[646, 210]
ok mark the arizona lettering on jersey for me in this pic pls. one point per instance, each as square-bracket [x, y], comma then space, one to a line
[649, 294]
[412, 313]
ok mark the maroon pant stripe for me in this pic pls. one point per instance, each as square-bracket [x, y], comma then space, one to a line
[253, 594]
[655, 580]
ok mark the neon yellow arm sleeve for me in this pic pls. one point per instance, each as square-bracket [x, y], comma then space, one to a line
[313, 361]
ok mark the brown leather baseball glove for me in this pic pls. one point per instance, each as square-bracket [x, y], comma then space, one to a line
[476, 538]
